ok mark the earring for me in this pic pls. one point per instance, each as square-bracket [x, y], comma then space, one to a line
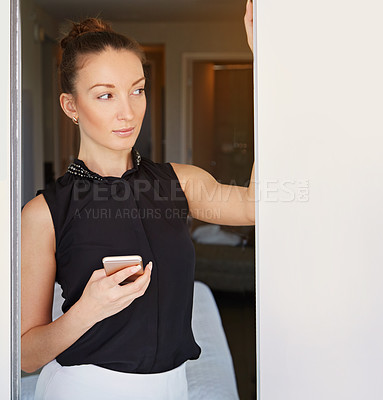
[75, 120]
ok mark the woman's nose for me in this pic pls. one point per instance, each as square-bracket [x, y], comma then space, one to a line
[125, 110]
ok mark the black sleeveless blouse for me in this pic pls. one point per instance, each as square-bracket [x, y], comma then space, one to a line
[142, 212]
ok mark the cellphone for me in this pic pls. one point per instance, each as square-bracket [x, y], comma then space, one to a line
[113, 264]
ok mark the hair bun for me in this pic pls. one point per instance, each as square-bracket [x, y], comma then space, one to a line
[85, 26]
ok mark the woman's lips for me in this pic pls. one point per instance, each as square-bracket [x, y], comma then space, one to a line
[125, 132]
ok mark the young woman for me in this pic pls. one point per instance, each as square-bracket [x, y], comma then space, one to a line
[115, 341]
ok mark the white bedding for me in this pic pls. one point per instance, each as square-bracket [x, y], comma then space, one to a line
[211, 377]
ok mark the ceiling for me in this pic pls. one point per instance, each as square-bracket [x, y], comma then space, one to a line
[146, 10]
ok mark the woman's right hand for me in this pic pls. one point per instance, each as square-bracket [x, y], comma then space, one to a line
[103, 296]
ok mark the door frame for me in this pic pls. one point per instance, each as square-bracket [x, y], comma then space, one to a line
[10, 183]
[187, 96]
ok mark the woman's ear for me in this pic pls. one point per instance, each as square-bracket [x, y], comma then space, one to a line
[68, 105]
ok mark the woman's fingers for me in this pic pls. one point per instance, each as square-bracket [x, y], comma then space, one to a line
[105, 297]
[121, 275]
[140, 285]
[98, 274]
[249, 23]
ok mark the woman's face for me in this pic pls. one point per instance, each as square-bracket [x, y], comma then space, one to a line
[110, 99]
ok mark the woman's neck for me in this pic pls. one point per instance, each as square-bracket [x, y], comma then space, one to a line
[107, 162]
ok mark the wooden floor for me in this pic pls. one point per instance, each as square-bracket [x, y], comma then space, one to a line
[238, 318]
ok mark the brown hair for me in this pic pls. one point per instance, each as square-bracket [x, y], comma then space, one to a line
[90, 36]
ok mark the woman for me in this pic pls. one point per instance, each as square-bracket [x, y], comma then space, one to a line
[115, 341]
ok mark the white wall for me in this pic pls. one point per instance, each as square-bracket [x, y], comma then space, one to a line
[180, 38]
[320, 275]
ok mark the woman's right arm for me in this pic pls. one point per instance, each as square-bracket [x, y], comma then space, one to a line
[41, 339]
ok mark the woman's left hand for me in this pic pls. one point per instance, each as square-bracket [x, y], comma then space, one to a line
[248, 19]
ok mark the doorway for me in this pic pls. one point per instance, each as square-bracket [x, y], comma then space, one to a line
[220, 117]
[150, 142]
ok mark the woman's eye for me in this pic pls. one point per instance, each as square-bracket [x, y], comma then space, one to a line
[139, 91]
[105, 96]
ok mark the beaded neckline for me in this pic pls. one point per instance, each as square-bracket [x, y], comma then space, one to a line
[78, 168]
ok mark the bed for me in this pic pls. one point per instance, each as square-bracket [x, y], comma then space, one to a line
[212, 376]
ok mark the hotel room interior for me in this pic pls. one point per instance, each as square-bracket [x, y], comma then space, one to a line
[200, 111]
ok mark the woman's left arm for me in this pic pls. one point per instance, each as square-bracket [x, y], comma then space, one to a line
[209, 200]
[213, 202]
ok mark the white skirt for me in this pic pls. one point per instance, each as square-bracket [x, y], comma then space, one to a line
[83, 382]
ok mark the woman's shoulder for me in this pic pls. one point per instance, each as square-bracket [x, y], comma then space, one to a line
[37, 205]
[58, 191]
[176, 171]
[36, 212]
[49, 201]
[163, 169]
[187, 172]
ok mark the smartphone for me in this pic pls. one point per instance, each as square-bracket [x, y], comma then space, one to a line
[113, 264]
